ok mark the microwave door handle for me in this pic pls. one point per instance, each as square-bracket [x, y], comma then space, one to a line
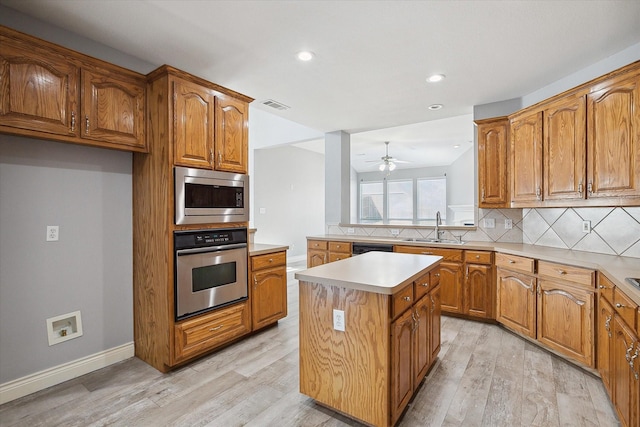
[210, 249]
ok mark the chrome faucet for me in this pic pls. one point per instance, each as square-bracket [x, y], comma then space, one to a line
[438, 224]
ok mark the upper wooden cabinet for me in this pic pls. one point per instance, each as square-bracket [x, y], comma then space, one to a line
[51, 92]
[493, 145]
[526, 158]
[613, 130]
[232, 134]
[193, 133]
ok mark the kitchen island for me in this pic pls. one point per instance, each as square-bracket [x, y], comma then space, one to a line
[369, 332]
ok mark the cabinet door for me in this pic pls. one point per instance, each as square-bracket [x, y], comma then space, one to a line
[113, 109]
[451, 287]
[231, 142]
[269, 298]
[401, 366]
[38, 91]
[434, 339]
[316, 257]
[493, 146]
[421, 339]
[193, 132]
[566, 320]
[565, 147]
[526, 158]
[605, 340]
[625, 369]
[516, 302]
[613, 134]
[478, 281]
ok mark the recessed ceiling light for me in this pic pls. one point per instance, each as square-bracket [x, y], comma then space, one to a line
[456, 146]
[305, 55]
[434, 78]
[435, 107]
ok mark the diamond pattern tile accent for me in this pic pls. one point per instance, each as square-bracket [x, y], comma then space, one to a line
[534, 226]
[619, 230]
[550, 238]
[595, 215]
[594, 243]
[551, 215]
[634, 212]
[633, 251]
[568, 227]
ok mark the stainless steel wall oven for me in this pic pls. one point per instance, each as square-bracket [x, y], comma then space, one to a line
[210, 269]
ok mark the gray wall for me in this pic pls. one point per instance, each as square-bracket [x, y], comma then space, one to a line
[289, 185]
[87, 192]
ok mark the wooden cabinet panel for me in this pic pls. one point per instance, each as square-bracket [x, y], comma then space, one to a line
[516, 302]
[605, 341]
[478, 257]
[565, 149]
[493, 144]
[478, 301]
[315, 258]
[514, 262]
[268, 260]
[451, 287]
[613, 134]
[401, 364]
[423, 285]
[625, 371]
[434, 343]
[624, 307]
[526, 158]
[232, 134]
[113, 109]
[193, 131]
[445, 253]
[203, 333]
[39, 90]
[576, 275]
[401, 301]
[341, 247]
[269, 296]
[605, 287]
[318, 244]
[566, 320]
[338, 256]
[421, 339]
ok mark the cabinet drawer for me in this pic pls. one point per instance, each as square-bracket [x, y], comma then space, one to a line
[268, 260]
[338, 256]
[196, 336]
[513, 262]
[422, 286]
[446, 254]
[477, 257]
[317, 244]
[581, 276]
[606, 287]
[342, 247]
[625, 307]
[401, 301]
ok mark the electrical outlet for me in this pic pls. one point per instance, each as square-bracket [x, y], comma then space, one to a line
[395, 232]
[338, 320]
[53, 233]
[351, 230]
[508, 224]
[586, 226]
[489, 223]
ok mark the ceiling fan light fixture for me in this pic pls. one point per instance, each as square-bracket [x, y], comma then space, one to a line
[434, 78]
[382, 167]
[305, 55]
[392, 166]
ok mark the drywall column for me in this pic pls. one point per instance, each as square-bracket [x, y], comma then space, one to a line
[337, 164]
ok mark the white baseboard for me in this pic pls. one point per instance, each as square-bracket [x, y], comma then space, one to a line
[58, 374]
[296, 258]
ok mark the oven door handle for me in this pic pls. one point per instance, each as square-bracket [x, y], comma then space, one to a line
[206, 249]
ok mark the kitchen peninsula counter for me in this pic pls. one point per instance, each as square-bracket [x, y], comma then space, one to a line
[369, 332]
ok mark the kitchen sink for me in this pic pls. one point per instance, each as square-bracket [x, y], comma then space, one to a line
[443, 241]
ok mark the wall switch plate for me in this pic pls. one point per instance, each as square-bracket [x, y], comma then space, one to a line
[351, 230]
[508, 224]
[586, 226]
[489, 223]
[53, 233]
[263, 210]
[338, 320]
[395, 231]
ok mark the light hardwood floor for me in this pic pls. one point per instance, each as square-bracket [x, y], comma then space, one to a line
[485, 376]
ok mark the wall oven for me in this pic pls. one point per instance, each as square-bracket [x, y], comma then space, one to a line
[205, 196]
[210, 269]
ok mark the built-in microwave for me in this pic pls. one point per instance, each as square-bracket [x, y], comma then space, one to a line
[209, 197]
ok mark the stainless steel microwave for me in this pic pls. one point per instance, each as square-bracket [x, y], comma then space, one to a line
[209, 197]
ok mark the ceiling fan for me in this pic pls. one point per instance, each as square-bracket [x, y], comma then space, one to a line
[388, 163]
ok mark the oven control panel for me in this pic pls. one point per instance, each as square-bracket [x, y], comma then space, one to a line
[204, 238]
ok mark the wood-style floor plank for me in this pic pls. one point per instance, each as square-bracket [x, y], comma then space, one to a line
[485, 376]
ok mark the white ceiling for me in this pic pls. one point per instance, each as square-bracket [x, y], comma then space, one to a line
[372, 57]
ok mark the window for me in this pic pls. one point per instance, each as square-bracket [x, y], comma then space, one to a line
[403, 201]
[371, 202]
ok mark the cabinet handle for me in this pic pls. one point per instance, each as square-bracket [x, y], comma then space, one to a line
[217, 328]
[467, 272]
[437, 274]
[483, 194]
[603, 287]
[562, 272]
[255, 282]
[590, 187]
[538, 193]
[73, 121]
[427, 253]
[636, 374]
[607, 325]
[433, 304]
[511, 261]
[219, 159]
[477, 256]
[406, 298]
[270, 259]
[580, 187]
[211, 158]
[618, 305]
[86, 125]
[425, 284]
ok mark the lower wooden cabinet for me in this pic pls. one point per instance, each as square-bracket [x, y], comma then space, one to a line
[516, 301]
[451, 282]
[605, 341]
[625, 373]
[322, 251]
[203, 333]
[479, 285]
[268, 289]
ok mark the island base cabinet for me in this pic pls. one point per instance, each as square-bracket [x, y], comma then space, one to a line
[402, 381]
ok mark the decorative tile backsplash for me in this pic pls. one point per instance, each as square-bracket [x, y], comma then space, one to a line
[614, 231]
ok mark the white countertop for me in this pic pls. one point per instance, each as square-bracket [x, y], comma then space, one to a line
[378, 272]
[261, 248]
